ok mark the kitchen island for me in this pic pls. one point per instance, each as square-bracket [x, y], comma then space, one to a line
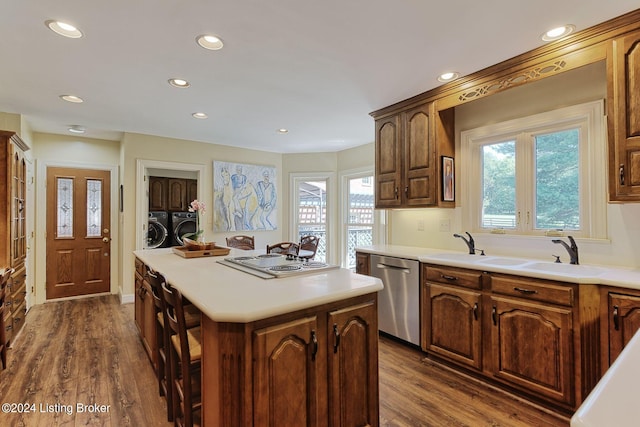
[299, 350]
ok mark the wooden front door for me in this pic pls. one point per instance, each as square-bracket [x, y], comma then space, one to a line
[78, 232]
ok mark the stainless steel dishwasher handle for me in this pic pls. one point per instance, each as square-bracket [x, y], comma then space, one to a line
[393, 267]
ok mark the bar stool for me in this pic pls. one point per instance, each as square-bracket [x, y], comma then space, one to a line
[185, 359]
[163, 372]
[4, 277]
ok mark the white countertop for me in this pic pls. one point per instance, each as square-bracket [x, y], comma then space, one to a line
[582, 274]
[613, 401]
[225, 294]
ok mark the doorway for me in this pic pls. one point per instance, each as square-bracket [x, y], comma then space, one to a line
[78, 242]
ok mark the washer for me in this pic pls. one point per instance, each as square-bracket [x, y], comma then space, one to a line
[181, 224]
[158, 230]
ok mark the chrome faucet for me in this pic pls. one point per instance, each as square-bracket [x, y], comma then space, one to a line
[572, 250]
[471, 244]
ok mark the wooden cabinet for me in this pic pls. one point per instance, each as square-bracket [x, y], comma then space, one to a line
[622, 322]
[532, 341]
[13, 233]
[158, 193]
[536, 337]
[363, 263]
[144, 312]
[624, 100]
[408, 145]
[453, 326]
[353, 365]
[317, 366]
[171, 194]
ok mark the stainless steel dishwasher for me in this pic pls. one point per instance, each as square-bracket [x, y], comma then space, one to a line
[399, 301]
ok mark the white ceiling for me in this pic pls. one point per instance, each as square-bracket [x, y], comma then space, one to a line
[317, 68]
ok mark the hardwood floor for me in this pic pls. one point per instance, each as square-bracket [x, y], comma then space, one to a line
[88, 351]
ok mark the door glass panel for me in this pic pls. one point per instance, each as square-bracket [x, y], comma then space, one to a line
[499, 185]
[360, 216]
[94, 208]
[312, 214]
[65, 207]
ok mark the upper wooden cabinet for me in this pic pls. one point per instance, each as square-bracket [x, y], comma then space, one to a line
[408, 145]
[171, 194]
[624, 97]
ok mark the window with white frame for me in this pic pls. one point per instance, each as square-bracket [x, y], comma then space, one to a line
[362, 224]
[538, 174]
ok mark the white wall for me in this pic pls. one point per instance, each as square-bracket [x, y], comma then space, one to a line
[148, 147]
[74, 151]
[582, 85]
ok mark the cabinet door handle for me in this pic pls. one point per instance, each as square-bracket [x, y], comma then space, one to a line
[406, 190]
[494, 315]
[449, 278]
[475, 311]
[525, 291]
[336, 338]
[621, 171]
[314, 345]
[396, 192]
[616, 318]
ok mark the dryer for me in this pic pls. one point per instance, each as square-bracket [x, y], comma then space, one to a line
[181, 224]
[158, 235]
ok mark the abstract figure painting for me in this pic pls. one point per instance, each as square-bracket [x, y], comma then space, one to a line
[244, 197]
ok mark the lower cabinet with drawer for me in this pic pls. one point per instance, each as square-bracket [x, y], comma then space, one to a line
[537, 338]
[15, 304]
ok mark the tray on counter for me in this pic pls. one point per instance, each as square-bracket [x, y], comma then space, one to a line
[186, 253]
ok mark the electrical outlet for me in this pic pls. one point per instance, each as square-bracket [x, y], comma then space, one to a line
[445, 225]
[421, 225]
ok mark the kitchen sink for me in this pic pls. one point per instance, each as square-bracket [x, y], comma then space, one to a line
[565, 269]
[505, 262]
[456, 257]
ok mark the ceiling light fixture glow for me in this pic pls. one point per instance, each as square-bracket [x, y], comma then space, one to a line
[200, 115]
[76, 129]
[72, 98]
[181, 83]
[209, 42]
[64, 29]
[558, 33]
[448, 76]
[283, 130]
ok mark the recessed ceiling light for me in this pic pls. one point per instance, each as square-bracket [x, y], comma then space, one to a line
[448, 76]
[76, 129]
[558, 33]
[72, 98]
[210, 42]
[200, 115]
[283, 130]
[64, 29]
[181, 83]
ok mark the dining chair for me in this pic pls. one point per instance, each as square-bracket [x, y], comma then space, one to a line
[185, 359]
[308, 246]
[286, 248]
[241, 242]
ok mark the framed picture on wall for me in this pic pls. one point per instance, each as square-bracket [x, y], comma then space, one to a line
[244, 197]
[448, 184]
